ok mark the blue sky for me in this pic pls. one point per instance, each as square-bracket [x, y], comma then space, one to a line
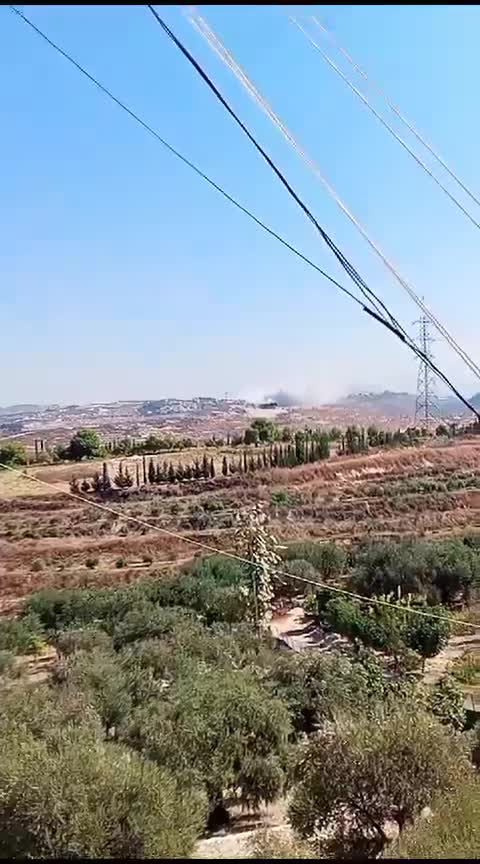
[125, 276]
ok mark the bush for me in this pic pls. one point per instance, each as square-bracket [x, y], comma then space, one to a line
[328, 558]
[7, 662]
[146, 620]
[223, 727]
[12, 453]
[21, 636]
[371, 773]
[70, 641]
[91, 563]
[37, 565]
[84, 798]
[285, 586]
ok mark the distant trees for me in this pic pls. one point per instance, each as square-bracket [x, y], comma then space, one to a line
[12, 453]
[85, 444]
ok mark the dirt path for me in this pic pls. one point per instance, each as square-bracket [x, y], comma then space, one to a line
[437, 667]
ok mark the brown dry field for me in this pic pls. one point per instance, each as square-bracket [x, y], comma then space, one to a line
[49, 539]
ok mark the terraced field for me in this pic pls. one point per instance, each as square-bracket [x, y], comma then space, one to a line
[48, 538]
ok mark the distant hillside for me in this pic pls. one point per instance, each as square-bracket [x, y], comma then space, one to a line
[390, 403]
[387, 402]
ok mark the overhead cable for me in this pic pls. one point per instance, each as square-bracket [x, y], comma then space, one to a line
[226, 56]
[184, 159]
[382, 120]
[207, 547]
[396, 110]
[391, 324]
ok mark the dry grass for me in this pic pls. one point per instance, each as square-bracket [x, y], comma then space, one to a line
[48, 539]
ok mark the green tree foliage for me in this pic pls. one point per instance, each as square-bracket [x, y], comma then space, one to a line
[151, 471]
[316, 687]
[329, 559]
[224, 466]
[227, 730]
[361, 774]
[445, 700]
[265, 429]
[85, 444]
[251, 436]
[443, 571]
[12, 453]
[99, 677]
[65, 793]
[425, 635]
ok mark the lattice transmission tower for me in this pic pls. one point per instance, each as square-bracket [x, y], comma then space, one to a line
[426, 404]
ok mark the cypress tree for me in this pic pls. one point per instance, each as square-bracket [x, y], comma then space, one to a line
[245, 463]
[275, 455]
[224, 466]
[212, 468]
[205, 467]
[137, 473]
[158, 473]
[197, 471]
[165, 472]
[187, 472]
[259, 462]
[105, 483]
[144, 470]
[171, 475]
[151, 471]
[179, 473]
[252, 464]
[36, 450]
[264, 458]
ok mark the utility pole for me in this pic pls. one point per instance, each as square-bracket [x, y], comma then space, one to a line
[426, 404]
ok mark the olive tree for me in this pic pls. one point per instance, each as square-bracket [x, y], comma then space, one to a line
[225, 729]
[361, 774]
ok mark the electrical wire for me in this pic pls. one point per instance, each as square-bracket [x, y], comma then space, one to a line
[396, 110]
[382, 120]
[207, 547]
[184, 159]
[392, 326]
[220, 49]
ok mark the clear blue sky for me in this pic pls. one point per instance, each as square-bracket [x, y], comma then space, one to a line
[124, 276]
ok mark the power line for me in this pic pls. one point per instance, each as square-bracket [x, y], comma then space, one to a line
[281, 574]
[384, 123]
[241, 75]
[391, 324]
[396, 111]
[183, 158]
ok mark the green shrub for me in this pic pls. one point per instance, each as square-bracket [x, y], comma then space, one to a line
[88, 799]
[87, 639]
[21, 635]
[7, 662]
